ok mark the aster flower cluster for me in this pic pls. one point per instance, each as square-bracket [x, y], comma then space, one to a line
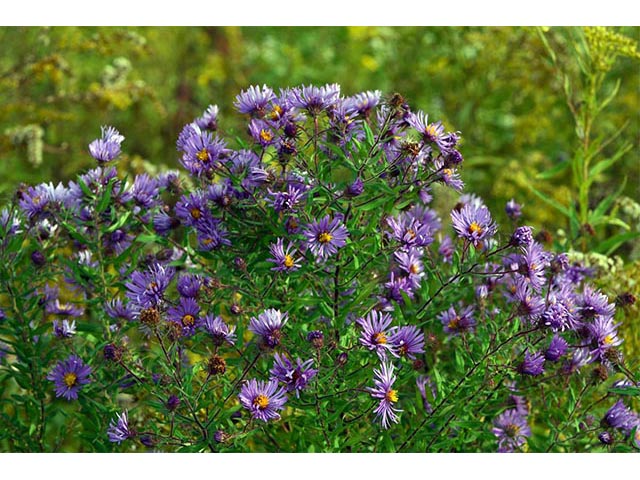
[302, 282]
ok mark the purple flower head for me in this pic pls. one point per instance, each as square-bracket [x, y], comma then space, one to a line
[185, 314]
[106, 148]
[64, 329]
[513, 210]
[325, 237]
[530, 304]
[474, 224]
[533, 364]
[189, 285]
[533, 263]
[219, 330]
[448, 175]
[316, 338]
[119, 430]
[363, 102]
[446, 249]
[395, 290]
[56, 307]
[355, 188]
[410, 231]
[315, 99]
[9, 223]
[261, 132]
[294, 377]
[454, 323]
[431, 132]
[254, 100]
[521, 237]
[411, 263]
[556, 316]
[209, 119]
[383, 391]
[604, 335]
[145, 191]
[621, 417]
[557, 349]
[407, 341]
[211, 236]
[286, 201]
[595, 303]
[69, 376]
[422, 382]
[263, 399]
[375, 333]
[192, 209]
[35, 200]
[117, 310]
[511, 428]
[146, 289]
[284, 259]
[269, 325]
[202, 152]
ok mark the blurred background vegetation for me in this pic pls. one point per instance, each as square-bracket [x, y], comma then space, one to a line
[518, 95]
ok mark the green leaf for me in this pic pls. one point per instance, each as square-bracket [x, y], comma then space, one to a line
[549, 201]
[605, 204]
[610, 245]
[553, 171]
[106, 197]
[631, 391]
[119, 223]
[602, 165]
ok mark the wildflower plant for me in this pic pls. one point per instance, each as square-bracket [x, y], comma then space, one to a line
[300, 288]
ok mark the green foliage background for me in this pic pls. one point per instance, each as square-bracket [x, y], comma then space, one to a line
[497, 85]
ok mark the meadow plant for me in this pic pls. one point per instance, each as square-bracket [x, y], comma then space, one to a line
[299, 289]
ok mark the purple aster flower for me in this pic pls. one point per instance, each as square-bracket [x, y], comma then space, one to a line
[286, 201]
[513, 210]
[448, 175]
[533, 264]
[446, 249]
[454, 323]
[395, 290]
[511, 428]
[185, 314]
[355, 188]
[530, 304]
[557, 348]
[593, 302]
[431, 132]
[410, 262]
[557, 316]
[202, 153]
[34, 200]
[410, 231]
[533, 364]
[106, 148]
[117, 310]
[364, 102]
[210, 234]
[604, 335]
[119, 430]
[283, 258]
[383, 391]
[294, 377]
[605, 438]
[192, 209]
[422, 382]
[56, 307]
[9, 223]
[474, 224]
[263, 399]
[269, 325]
[209, 119]
[219, 330]
[146, 289]
[375, 333]
[579, 358]
[69, 376]
[325, 237]
[621, 417]
[254, 100]
[316, 338]
[521, 237]
[145, 191]
[315, 99]
[188, 131]
[64, 329]
[407, 341]
[261, 132]
[189, 285]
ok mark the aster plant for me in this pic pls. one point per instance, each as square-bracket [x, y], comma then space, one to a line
[299, 288]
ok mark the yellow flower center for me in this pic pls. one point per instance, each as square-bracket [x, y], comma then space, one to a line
[188, 320]
[325, 237]
[414, 269]
[203, 155]
[288, 261]
[512, 430]
[475, 228]
[70, 379]
[391, 396]
[453, 323]
[411, 233]
[447, 171]
[195, 213]
[261, 401]
[152, 286]
[207, 241]
[379, 338]
[608, 340]
[276, 112]
[266, 135]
